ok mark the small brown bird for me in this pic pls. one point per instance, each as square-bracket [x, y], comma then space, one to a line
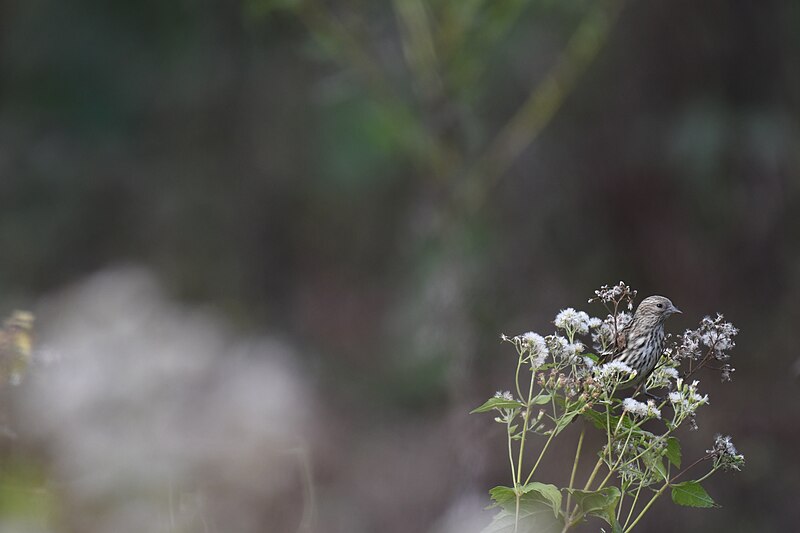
[15, 347]
[641, 342]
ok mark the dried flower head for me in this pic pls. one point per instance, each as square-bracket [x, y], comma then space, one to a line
[725, 454]
[614, 295]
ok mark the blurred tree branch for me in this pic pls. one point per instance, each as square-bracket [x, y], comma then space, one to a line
[432, 39]
[348, 51]
[541, 105]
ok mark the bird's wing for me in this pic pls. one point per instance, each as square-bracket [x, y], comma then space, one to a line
[621, 344]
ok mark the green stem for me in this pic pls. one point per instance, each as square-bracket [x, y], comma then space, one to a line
[522, 450]
[541, 454]
[525, 430]
[575, 467]
[647, 507]
[594, 473]
[616, 465]
[619, 503]
[510, 450]
[516, 376]
[664, 487]
[633, 505]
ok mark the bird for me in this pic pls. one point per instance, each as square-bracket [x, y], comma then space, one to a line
[641, 343]
[15, 347]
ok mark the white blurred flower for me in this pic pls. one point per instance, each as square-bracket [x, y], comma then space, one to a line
[146, 398]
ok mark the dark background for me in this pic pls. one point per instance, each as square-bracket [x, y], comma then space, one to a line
[388, 186]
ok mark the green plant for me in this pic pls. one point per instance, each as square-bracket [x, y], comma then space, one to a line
[640, 460]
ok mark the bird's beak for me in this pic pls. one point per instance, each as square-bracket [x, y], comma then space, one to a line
[676, 310]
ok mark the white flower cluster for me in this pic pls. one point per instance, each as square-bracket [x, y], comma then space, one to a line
[530, 345]
[504, 395]
[561, 349]
[641, 409]
[506, 414]
[662, 376]
[612, 374]
[572, 321]
[537, 348]
[725, 454]
[685, 400]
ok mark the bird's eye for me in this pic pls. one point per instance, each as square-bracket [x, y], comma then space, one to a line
[660, 306]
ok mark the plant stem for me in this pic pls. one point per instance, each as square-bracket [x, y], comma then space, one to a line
[594, 473]
[647, 507]
[541, 454]
[664, 487]
[525, 431]
[522, 451]
[510, 451]
[633, 505]
[575, 467]
[516, 376]
[615, 466]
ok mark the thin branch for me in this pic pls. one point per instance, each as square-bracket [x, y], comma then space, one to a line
[541, 105]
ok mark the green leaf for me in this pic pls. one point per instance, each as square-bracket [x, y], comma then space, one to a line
[534, 517]
[673, 452]
[564, 422]
[601, 503]
[691, 494]
[532, 493]
[539, 509]
[496, 403]
[502, 496]
[596, 418]
[541, 399]
[550, 494]
[658, 466]
[594, 357]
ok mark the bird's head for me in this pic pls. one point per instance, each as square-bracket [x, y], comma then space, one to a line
[656, 309]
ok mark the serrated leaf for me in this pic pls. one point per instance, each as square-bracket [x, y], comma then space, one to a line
[673, 452]
[550, 494]
[691, 494]
[534, 493]
[502, 495]
[601, 503]
[496, 403]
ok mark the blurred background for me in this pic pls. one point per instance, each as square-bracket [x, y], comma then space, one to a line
[271, 246]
